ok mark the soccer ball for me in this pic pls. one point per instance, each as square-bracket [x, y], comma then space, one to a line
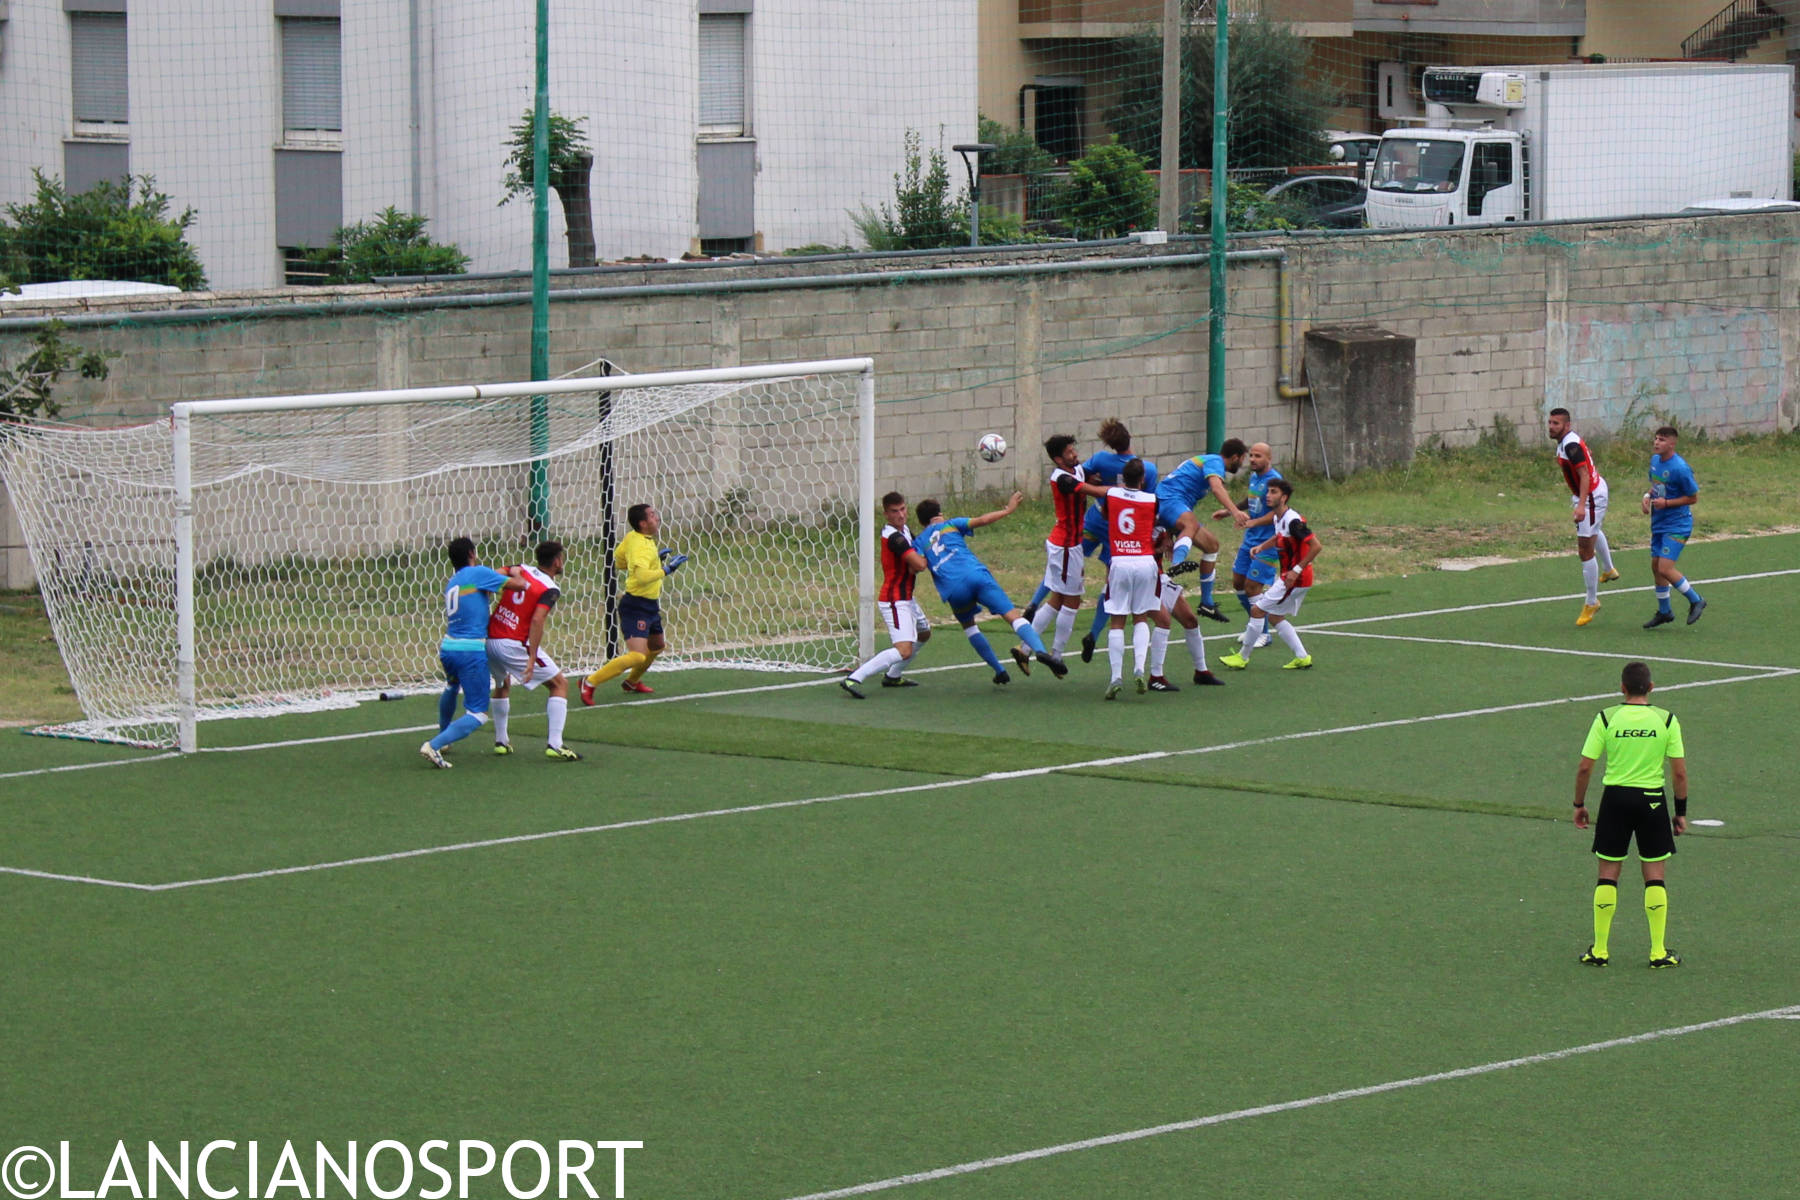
[992, 447]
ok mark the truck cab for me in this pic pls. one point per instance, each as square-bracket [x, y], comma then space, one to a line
[1435, 177]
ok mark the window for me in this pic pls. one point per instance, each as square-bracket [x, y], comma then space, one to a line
[311, 69]
[1492, 168]
[723, 100]
[97, 69]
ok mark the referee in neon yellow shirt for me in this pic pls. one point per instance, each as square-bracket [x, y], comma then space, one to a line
[1635, 737]
[640, 608]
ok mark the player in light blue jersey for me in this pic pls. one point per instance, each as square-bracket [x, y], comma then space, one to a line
[463, 650]
[966, 585]
[1176, 496]
[1256, 563]
[1670, 504]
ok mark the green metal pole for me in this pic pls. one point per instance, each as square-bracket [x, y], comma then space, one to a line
[1215, 346]
[540, 272]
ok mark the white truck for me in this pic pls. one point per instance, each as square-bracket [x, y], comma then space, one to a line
[1585, 141]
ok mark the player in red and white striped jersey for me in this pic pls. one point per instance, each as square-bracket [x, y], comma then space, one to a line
[515, 652]
[1175, 611]
[1588, 488]
[1133, 578]
[1298, 546]
[906, 624]
[1063, 559]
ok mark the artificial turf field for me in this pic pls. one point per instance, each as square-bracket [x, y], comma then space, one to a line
[1322, 923]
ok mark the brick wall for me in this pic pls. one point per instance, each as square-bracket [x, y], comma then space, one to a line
[1694, 320]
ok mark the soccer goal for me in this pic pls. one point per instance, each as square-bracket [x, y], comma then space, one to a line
[258, 556]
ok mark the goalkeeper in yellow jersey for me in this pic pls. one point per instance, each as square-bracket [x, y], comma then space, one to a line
[640, 609]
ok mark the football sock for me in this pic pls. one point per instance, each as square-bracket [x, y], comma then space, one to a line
[1662, 598]
[1590, 579]
[1182, 546]
[557, 712]
[1252, 633]
[1197, 647]
[1686, 589]
[894, 671]
[637, 671]
[1656, 908]
[616, 667]
[1606, 899]
[1140, 645]
[978, 640]
[1602, 550]
[1159, 650]
[1065, 629]
[1029, 636]
[885, 661]
[1291, 636]
[1044, 618]
[1115, 652]
[456, 731]
[447, 707]
[1099, 624]
[1244, 602]
[500, 710]
[1209, 574]
[1038, 597]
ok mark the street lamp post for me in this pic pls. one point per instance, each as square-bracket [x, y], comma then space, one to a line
[974, 169]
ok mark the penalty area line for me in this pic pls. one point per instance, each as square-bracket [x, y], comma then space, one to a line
[1437, 641]
[1286, 1106]
[901, 790]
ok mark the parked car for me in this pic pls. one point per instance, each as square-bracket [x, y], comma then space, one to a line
[1354, 149]
[1321, 201]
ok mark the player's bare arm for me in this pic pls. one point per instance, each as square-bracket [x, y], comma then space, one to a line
[1012, 505]
[533, 640]
[1227, 506]
[1583, 772]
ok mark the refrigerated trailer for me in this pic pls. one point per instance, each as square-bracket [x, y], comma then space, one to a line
[1585, 140]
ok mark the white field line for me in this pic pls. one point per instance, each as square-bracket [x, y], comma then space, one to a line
[1617, 654]
[1463, 608]
[937, 785]
[1267, 1110]
[832, 679]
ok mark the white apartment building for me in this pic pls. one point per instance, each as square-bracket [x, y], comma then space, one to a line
[728, 124]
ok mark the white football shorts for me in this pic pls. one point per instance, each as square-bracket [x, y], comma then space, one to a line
[506, 663]
[1131, 586]
[1062, 568]
[1278, 600]
[1589, 520]
[904, 619]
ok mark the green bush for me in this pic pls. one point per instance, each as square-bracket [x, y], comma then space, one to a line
[393, 243]
[1246, 210]
[110, 231]
[1016, 151]
[1109, 193]
[924, 216]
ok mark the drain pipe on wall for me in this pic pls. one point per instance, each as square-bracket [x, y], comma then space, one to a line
[1284, 382]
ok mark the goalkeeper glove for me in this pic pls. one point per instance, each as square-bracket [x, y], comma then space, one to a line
[672, 560]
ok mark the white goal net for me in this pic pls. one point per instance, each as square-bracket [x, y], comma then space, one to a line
[251, 557]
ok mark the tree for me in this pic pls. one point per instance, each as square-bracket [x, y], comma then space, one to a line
[1279, 104]
[393, 243]
[25, 385]
[110, 231]
[571, 163]
[1247, 209]
[1109, 193]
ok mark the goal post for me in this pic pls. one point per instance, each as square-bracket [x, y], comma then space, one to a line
[277, 554]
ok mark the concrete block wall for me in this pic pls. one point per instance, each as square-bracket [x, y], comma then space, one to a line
[1699, 320]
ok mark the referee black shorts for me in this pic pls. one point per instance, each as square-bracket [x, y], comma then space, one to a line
[1627, 812]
